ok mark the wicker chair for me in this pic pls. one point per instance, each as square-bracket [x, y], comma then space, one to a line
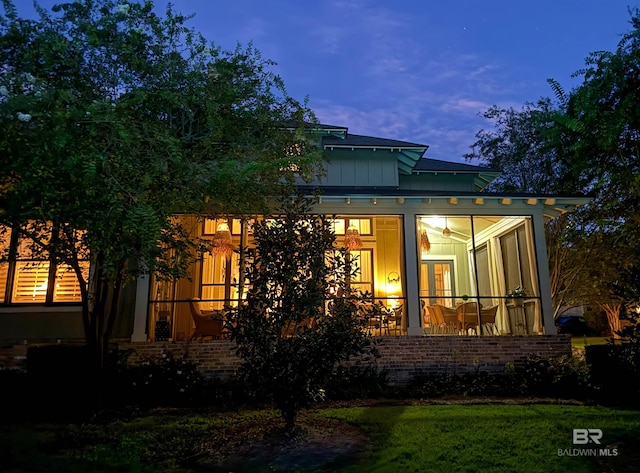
[206, 324]
[489, 320]
[450, 319]
[468, 317]
[436, 320]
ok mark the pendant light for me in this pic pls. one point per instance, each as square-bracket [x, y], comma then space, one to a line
[446, 232]
[425, 244]
[352, 239]
[221, 243]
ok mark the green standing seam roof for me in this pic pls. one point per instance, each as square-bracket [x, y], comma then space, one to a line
[410, 156]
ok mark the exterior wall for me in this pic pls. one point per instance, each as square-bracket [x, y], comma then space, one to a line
[359, 168]
[41, 324]
[404, 357]
[35, 324]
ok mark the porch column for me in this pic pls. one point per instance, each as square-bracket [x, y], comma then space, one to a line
[139, 333]
[543, 274]
[411, 274]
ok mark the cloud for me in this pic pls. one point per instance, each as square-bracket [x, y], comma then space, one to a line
[464, 105]
[253, 29]
[482, 69]
[329, 38]
[448, 139]
[381, 73]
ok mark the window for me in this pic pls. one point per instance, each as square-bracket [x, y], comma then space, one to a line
[27, 275]
[517, 267]
[362, 263]
[363, 225]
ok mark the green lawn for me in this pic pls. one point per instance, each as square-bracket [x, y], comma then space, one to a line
[578, 342]
[434, 438]
[486, 438]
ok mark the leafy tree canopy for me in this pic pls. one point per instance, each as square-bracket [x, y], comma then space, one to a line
[518, 146]
[114, 119]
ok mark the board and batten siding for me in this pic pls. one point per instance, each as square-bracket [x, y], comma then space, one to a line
[359, 168]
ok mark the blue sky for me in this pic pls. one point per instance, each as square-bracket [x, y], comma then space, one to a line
[415, 70]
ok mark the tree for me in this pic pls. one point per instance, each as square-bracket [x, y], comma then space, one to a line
[300, 319]
[518, 146]
[603, 120]
[587, 142]
[115, 119]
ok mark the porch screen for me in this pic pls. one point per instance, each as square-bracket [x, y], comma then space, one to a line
[489, 256]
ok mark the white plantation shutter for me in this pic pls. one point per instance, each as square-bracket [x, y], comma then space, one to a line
[67, 287]
[4, 273]
[30, 283]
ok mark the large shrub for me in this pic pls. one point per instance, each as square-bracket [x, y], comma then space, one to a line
[564, 377]
[300, 319]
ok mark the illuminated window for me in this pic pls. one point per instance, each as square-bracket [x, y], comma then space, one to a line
[340, 225]
[27, 276]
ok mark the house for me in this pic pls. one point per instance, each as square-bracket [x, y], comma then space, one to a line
[427, 233]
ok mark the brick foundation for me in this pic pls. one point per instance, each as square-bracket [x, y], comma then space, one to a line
[404, 357]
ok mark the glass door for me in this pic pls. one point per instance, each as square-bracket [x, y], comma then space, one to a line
[437, 282]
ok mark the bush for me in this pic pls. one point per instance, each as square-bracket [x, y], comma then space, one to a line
[16, 394]
[431, 385]
[289, 338]
[563, 377]
[65, 376]
[357, 382]
[162, 381]
[614, 371]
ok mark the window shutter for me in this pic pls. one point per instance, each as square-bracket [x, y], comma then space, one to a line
[30, 283]
[4, 273]
[67, 287]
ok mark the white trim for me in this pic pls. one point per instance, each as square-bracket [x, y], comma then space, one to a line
[139, 333]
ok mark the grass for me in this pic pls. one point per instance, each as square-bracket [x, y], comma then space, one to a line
[432, 438]
[579, 343]
[484, 438]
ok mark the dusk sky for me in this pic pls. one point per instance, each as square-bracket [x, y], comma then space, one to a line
[415, 70]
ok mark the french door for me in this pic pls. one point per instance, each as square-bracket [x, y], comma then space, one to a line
[437, 282]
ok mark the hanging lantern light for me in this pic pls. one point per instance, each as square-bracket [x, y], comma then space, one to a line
[425, 244]
[446, 232]
[352, 239]
[221, 243]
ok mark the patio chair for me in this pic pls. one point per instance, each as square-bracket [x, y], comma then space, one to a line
[397, 318]
[468, 317]
[448, 317]
[442, 322]
[292, 328]
[372, 316]
[489, 320]
[207, 325]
